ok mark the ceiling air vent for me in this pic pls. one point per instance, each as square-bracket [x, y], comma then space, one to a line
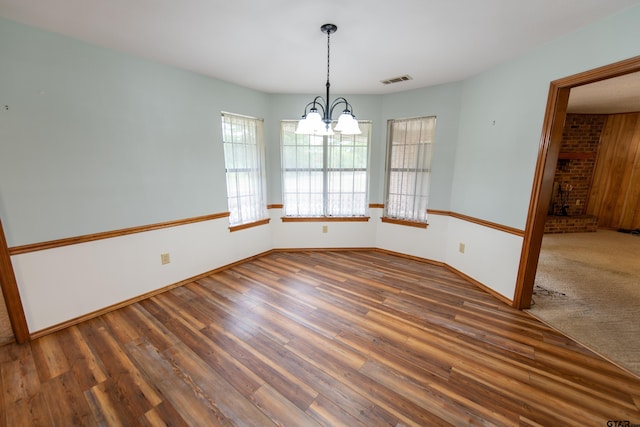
[397, 79]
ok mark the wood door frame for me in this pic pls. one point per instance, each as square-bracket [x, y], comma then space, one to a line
[548, 151]
[11, 293]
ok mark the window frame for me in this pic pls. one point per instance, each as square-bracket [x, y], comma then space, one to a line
[254, 212]
[418, 165]
[325, 194]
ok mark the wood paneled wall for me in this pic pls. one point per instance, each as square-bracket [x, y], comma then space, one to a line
[615, 195]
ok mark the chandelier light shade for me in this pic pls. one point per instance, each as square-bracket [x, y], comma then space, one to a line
[318, 114]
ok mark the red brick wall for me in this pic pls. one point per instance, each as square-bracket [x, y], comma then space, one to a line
[578, 150]
[582, 132]
[581, 136]
[570, 224]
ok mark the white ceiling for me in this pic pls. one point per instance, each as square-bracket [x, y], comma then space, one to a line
[276, 46]
[617, 95]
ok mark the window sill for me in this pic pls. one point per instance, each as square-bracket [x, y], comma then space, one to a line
[325, 218]
[249, 225]
[405, 222]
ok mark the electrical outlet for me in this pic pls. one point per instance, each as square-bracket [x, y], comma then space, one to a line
[461, 248]
[164, 258]
[325, 228]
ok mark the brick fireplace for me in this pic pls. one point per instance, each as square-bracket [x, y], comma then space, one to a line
[574, 175]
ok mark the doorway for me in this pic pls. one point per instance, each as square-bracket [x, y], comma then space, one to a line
[11, 298]
[553, 126]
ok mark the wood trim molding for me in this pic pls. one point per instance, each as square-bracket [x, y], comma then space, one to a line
[404, 222]
[249, 225]
[548, 153]
[325, 218]
[438, 212]
[576, 155]
[51, 244]
[33, 247]
[280, 205]
[489, 224]
[616, 69]
[11, 294]
[484, 223]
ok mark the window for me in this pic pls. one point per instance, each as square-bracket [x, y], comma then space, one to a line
[244, 163]
[324, 176]
[409, 144]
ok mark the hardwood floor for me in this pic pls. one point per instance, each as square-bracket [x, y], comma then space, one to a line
[314, 338]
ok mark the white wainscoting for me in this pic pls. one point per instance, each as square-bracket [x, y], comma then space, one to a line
[490, 256]
[60, 284]
[347, 234]
[428, 243]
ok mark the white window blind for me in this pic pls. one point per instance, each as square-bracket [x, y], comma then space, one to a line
[324, 175]
[244, 162]
[409, 146]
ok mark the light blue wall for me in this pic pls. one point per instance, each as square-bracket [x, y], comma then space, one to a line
[291, 107]
[502, 113]
[95, 140]
[442, 101]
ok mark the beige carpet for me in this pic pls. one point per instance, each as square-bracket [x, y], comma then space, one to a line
[6, 333]
[588, 286]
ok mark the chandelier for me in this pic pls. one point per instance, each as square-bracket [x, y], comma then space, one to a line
[315, 123]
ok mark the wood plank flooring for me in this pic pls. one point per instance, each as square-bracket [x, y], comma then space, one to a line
[352, 338]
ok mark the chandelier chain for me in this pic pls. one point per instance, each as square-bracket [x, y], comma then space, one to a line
[328, 53]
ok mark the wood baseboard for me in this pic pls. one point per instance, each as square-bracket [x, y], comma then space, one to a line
[480, 285]
[133, 300]
[105, 310]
